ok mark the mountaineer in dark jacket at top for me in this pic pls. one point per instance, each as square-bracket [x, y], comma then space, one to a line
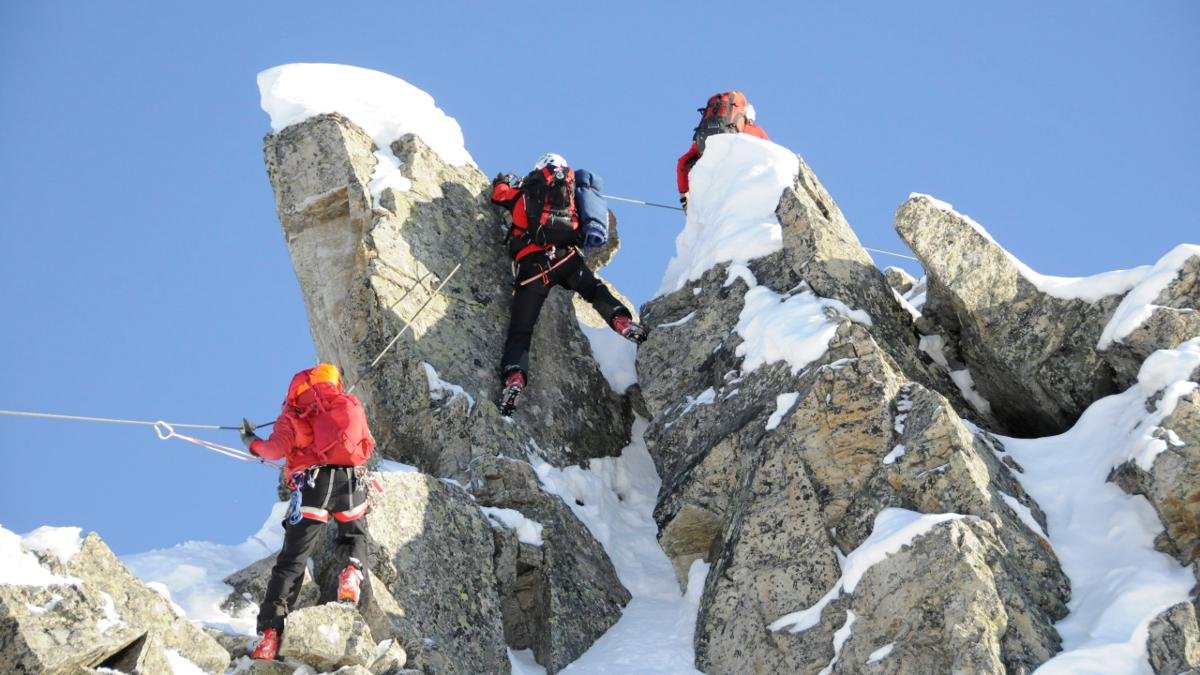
[554, 209]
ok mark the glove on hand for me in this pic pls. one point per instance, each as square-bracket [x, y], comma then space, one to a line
[683, 201]
[248, 435]
[507, 178]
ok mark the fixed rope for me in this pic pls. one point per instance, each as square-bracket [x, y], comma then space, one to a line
[164, 430]
[677, 208]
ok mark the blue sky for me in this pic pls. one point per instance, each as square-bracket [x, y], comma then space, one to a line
[144, 271]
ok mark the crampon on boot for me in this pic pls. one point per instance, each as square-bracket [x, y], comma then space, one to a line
[350, 582]
[629, 330]
[513, 385]
[267, 646]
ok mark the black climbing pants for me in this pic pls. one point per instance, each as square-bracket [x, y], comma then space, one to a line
[335, 492]
[536, 274]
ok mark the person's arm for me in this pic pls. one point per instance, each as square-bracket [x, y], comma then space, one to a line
[684, 167]
[506, 190]
[281, 441]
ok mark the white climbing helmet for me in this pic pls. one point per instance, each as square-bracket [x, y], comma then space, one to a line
[749, 112]
[550, 159]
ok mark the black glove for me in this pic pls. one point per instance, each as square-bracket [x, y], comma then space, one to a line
[248, 435]
[683, 201]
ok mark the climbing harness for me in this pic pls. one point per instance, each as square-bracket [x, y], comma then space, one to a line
[545, 274]
[407, 325]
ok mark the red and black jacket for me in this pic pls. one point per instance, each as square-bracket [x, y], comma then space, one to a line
[684, 166]
[513, 198]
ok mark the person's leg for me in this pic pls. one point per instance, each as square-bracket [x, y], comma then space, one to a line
[286, 576]
[526, 306]
[576, 276]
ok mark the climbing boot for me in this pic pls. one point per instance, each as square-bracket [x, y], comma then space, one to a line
[629, 330]
[268, 646]
[350, 582]
[514, 384]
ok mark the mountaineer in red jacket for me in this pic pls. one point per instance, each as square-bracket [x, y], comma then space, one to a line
[323, 436]
[542, 241]
[737, 116]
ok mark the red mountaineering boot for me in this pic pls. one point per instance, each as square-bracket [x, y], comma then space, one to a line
[350, 582]
[514, 383]
[267, 646]
[628, 329]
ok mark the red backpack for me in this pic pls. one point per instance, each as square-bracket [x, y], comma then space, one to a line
[339, 427]
[724, 114]
[550, 206]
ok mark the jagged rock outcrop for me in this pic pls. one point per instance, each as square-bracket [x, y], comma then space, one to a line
[1173, 317]
[900, 280]
[557, 597]
[1035, 354]
[1174, 641]
[768, 472]
[101, 616]
[825, 254]
[365, 270]
[328, 637]
[1172, 483]
[432, 576]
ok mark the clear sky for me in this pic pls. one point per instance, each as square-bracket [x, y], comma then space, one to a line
[144, 273]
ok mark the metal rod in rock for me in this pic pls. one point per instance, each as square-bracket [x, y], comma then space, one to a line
[407, 325]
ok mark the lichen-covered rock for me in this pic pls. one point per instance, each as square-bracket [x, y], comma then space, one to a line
[366, 270]
[389, 657]
[1174, 641]
[769, 473]
[900, 280]
[327, 637]
[431, 549]
[104, 615]
[1033, 355]
[250, 586]
[937, 601]
[825, 254]
[1172, 484]
[560, 596]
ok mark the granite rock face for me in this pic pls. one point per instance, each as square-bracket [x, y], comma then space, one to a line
[1174, 641]
[1036, 346]
[557, 597]
[1172, 317]
[433, 582]
[327, 637]
[1172, 483]
[770, 473]
[102, 616]
[1033, 355]
[365, 269]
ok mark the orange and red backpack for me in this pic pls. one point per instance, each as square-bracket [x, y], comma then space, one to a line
[725, 113]
[336, 420]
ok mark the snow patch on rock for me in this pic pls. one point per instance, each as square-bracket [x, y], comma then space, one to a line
[736, 187]
[528, 531]
[894, 528]
[1138, 305]
[1104, 537]
[385, 107]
